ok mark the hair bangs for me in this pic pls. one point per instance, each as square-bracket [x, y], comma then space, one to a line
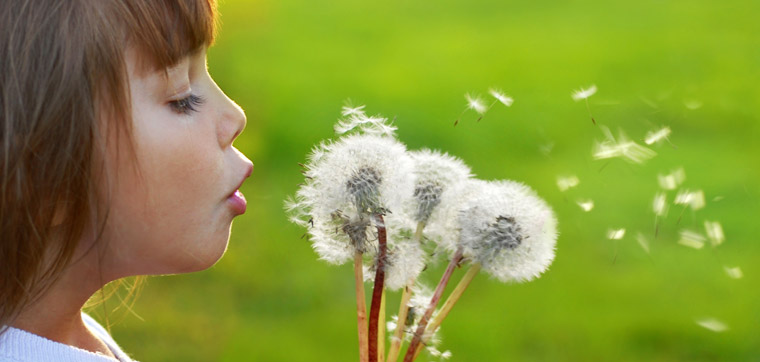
[166, 31]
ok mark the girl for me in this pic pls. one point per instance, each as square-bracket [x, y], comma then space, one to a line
[117, 160]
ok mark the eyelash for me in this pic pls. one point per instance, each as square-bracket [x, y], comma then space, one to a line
[187, 105]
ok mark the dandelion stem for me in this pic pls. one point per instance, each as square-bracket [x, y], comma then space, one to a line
[449, 304]
[418, 334]
[361, 307]
[453, 298]
[377, 291]
[403, 309]
[398, 335]
[589, 112]
[381, 331]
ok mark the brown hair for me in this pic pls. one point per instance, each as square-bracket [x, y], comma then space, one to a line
[62, 72]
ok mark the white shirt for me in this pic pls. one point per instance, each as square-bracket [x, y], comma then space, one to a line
[17, 345]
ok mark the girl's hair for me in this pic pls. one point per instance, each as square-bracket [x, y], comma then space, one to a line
[62, 75]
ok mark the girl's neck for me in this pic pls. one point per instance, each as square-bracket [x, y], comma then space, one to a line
[57, 314]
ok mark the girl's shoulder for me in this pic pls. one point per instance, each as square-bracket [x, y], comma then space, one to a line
[17, 345]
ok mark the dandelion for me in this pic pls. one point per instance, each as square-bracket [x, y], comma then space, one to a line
[439, 178]
[584, 94]
[691, 239]
[566, 182]
[621, 147]
[712, 324]
[586, 204]
[501, 97]
[657, 136]
[734, 273]
[714, 232]
[350, 184]
[615, 234]
[506, 230]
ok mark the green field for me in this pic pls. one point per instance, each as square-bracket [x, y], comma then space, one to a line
[691, 65]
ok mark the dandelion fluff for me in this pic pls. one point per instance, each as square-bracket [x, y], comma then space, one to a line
[584, 93]
[501, 97]
[734, 273]
[347, 181]
[714, 232]
[405, 262]
[712, 324]
[691, 239]
[586, 204]
[438, 180]
[476, 103]
[356, 119]
[567, 182]
[615, 234]
[508, 229]
[657, 136]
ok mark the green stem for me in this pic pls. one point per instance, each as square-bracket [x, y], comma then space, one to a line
[361, 307]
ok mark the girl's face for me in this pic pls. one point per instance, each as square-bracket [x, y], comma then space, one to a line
[171, 210]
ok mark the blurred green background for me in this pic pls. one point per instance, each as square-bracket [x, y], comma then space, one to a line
[291, 64]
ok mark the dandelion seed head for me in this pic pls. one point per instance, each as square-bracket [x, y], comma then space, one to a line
[586, 204]
[734, 273]
[476, 103]
[440, 182]
[712, 324]
[501, 97]
[691, 239]
[507, 228]
[714, 232]
[584, 93]
[657, 135]
[347, 180]
[566, 182]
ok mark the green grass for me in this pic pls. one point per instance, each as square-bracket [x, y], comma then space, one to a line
[292, 64]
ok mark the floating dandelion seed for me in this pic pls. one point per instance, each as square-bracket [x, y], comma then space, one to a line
[692, 104]
[586, 204]
[712, 324]
[734, 273]
[659, 205]
[714, 232]
[615, 234]
[585, 94]
[566, 182]
[501, 97]
[657, 136]
[672, 180]
[476, 103]
[622, 147]
[693, 199]
[643, 242]
[350, 111]
[692, 239]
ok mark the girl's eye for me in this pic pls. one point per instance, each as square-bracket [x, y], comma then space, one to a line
[186, 105]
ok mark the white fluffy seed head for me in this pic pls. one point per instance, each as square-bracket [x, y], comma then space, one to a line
[438, 180]
[508, 229]
[347, 181]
